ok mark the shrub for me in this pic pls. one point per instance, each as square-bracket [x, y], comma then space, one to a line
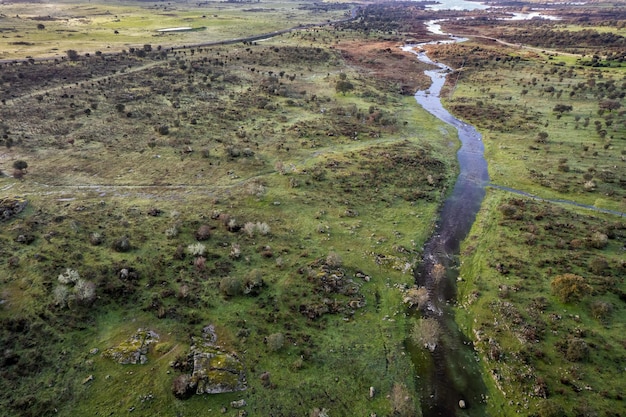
[183, 387]
[20, 165]
[601, 310]
[203, 232]
[235, 251]
[570, 287]
[416, 297]
[333, 260]
[70, 276]
[263, 228]
[438, 272]
[577, 350]
[275, 342]
[171, 232]
[426, 332]
[253, 283]
[231, 286]
[96, 238]
[249, 228]
[548, 408]
[122, 244]
[599, 240]
[508, 210]
[61, 294]
[196, 249]
[599, 266]
[85, 292]
[401, 401]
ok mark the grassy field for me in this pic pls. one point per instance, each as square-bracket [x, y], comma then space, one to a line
[310, 206]
[281, 191]
[48, 30]
[545, 121]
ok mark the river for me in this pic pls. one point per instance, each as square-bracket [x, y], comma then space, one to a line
[450, 380]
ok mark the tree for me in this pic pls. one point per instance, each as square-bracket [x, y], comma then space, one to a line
[72, 55]
[41, 26]
[570, 287]
[343, 86]
[562, 108]
[20, 165]
[610, 105]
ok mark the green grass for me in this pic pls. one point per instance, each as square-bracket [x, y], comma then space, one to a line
[301, 171]
[513, 99]
[504, 276]
[92, 27]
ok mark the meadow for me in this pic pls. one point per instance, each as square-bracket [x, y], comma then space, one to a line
[267, 189]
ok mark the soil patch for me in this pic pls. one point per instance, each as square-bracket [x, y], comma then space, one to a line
[385, 61]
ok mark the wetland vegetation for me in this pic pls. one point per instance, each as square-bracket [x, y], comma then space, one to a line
[244, 221]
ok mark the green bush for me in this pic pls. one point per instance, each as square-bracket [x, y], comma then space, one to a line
[231, 286]
[570, 287]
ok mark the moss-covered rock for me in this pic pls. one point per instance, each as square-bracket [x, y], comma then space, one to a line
[11, 206]
[214, 371]
[133, 350]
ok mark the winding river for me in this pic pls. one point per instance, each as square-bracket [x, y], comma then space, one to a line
[450, 379]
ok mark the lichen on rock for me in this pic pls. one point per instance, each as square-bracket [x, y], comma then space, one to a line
[133, 350]
[11, 206]
[214, 371]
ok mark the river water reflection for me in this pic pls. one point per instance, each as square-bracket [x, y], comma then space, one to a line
[450, 379]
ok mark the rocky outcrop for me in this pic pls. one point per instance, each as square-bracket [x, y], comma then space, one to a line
[11, 206]
[213, 371]
[133, 350]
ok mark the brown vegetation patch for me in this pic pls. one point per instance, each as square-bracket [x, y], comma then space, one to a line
[387, 62]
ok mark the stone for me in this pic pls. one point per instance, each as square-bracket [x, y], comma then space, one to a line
[217, 372]
[133, 350]
[11, 206]
[238, 403]
[462, 404]
[213, 371]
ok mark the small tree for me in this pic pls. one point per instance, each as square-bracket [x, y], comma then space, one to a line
[20, 165]
[343, 86]
[231, 286]
[570, 287]
[72, 55]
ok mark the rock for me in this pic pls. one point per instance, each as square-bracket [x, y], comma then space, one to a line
[265, 379]
[212, 370]
[238, 403]
[134, 349]
[94, 351]
[11, 206]
[88, 379]
[372, 392]
[217, 372]
[183, 387]
[462, 404]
